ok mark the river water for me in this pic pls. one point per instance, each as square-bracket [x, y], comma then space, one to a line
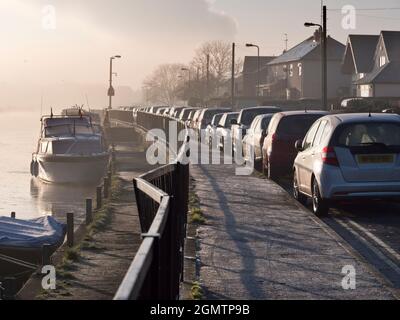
[19, 192]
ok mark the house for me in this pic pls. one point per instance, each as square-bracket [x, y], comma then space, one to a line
[296, 74]
[374, 64]
[249, 81]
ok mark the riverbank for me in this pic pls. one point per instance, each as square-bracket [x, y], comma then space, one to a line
[94, 268]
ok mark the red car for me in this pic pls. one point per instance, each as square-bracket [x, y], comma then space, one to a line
[284, 130]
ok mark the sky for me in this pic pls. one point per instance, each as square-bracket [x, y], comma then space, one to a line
[61, 51]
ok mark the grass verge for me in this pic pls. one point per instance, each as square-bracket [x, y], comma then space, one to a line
[101, 220]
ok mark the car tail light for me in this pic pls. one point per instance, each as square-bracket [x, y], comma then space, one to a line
[328, 156]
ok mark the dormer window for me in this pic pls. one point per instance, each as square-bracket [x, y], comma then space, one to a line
[382, 61]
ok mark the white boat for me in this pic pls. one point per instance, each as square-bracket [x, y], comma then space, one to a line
[70, 150]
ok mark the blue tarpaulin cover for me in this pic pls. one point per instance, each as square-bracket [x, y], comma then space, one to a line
[32, 233]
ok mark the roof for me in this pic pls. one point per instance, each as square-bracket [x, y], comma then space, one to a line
[359, 53]
[251, 62]
[389, 73]
[302, 112]
[353, 117]
[261, 107]
[392, 44]
[307, 49]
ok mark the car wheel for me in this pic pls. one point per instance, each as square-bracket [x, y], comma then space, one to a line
[296, 193]
[319, 205]
[264, 167]
[271, 172]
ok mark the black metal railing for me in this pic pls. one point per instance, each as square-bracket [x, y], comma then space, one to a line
[162, 201]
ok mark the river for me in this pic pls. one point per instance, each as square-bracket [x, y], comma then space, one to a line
[19, 192]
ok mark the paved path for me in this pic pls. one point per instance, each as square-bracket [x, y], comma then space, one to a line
[259, 243]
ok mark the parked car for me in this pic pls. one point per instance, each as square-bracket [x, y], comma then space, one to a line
[211, 129]
[224, 127]
[193, 121]
[245, 118]
[175, 111]
[206, 116]
[154, 109]
[161, 110]
[284, 129]
[348, 156]
[185, 112]
[254, 138]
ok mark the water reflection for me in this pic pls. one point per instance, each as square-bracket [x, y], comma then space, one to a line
[57, 200]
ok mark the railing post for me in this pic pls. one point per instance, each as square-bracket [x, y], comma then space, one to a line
[98, 198]
[89, 217]
[46, 253]
[9, 288]
[70, 229]
[106, 185]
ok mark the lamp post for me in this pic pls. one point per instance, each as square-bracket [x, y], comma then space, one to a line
[111, 91]
[324, 71]
[258, 64]
[188, 71]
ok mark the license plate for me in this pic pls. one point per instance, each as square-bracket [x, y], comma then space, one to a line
[375, 158]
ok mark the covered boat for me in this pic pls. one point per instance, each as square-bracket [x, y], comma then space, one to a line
[24, 240]
[70, 150]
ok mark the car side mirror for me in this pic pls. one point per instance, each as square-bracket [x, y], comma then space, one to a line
[234, 121]
[299, 145]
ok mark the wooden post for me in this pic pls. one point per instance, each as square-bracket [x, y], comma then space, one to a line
[13, 215]
[10, 290]
[106, 187]
[89, 208]
[70, 229]
[46, 253]
[98, 197]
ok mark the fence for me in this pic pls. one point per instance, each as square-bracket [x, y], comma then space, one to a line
[162, 201]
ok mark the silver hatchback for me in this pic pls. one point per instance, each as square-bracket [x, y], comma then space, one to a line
[348, 156]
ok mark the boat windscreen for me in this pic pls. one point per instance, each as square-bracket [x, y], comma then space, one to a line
[58, 130]
[85, 147]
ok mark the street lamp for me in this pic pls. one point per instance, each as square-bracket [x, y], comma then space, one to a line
[111, 91]
[188, 71]
[324, 70]
[258, 64]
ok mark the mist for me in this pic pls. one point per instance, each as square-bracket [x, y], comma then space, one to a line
[68, 62]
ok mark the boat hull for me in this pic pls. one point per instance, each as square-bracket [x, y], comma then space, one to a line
[72, 169]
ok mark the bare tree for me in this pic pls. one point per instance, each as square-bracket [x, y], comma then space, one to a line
[164, 84]
[220, 62]
[168, 84]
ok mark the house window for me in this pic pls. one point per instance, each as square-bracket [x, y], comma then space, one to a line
[300, 66]
[291, 70]
[382, 61]
[365, 90]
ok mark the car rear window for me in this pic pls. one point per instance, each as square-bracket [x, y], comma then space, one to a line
[248, 116]
[209, 114]
[297, 125]
[364, 134]
[265, 123]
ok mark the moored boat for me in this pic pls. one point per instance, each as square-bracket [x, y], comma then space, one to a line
[71, 150]
[24, 240]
